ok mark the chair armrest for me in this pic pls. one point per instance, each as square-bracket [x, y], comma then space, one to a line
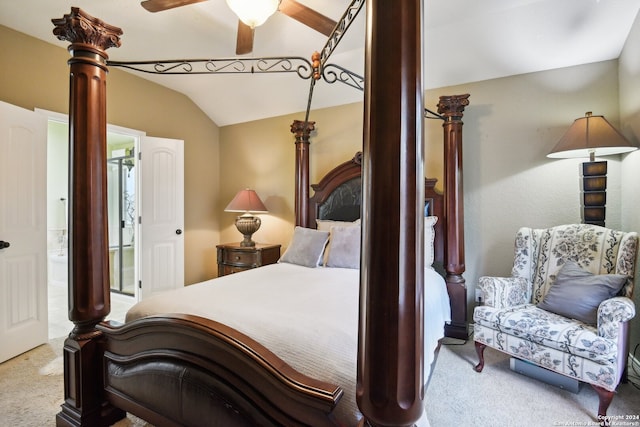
[501, 292]
[613, 312]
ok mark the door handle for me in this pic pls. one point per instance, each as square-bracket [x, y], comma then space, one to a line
[4, 244]
[178, 231]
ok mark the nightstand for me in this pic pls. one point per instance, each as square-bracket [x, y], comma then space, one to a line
[233, 258]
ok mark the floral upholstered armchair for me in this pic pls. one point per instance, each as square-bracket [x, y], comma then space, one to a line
[567, 305]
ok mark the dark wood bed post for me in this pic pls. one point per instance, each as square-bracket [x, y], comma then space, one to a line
[89, 298]
[302, 130]
[452, 107]
[390, 372]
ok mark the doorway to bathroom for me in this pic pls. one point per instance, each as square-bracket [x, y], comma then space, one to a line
[121, 205]
[122, 186]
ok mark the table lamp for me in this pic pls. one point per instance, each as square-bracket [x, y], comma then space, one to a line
[247, 201]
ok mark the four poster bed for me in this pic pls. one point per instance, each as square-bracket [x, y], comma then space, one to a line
[173, 365]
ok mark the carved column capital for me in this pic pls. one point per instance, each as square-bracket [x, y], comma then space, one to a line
[452, 106]
[85, 32]
[302, 129]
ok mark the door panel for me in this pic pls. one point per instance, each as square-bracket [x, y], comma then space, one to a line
[162, 215]
[23, 271]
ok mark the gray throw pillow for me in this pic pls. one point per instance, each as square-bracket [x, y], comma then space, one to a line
[577, 293]
[344, 247]
[306, 247]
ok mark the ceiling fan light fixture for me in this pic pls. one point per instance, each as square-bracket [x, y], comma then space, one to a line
[253, 12]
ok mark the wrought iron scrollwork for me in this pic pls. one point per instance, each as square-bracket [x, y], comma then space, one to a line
[291, 64]
[341, 28]
[332, 73]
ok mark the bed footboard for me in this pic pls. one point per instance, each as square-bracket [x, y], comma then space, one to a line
[182, 370]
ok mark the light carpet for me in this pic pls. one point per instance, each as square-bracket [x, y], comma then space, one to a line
[31, 389]
[31, 392]
[459, 396]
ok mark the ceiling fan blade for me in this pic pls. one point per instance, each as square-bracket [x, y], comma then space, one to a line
[244, 42]
[307, 16]
[160, 5]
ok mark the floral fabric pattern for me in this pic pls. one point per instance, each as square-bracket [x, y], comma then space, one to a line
[611, 313]
[503, 292]
[580, 368]
[549, 330]
[510, 321]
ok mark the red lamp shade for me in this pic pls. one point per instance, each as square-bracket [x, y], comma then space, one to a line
[246, 201]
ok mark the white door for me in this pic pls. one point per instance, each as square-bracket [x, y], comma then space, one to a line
[161, 215]
[23, 252]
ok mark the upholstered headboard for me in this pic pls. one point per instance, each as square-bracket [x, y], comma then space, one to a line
[343, 203]
[338, 196]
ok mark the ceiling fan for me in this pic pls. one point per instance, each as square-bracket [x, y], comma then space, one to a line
[244, 41]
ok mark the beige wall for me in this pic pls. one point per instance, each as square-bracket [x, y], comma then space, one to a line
[35, 74]
[629, 73]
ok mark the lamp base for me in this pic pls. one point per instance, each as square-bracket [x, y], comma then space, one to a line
[247, 225]
[594, 189]
[247, 242]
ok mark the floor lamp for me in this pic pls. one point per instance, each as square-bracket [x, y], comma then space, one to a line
[592, 136]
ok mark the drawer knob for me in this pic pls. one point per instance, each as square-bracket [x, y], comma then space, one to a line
[237, 257]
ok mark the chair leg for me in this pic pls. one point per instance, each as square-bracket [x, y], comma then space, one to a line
[480, 351]
[605, 397]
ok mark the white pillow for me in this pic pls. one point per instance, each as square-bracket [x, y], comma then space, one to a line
[429, 238]
[326, 224]
[344, 247]
[306, 247]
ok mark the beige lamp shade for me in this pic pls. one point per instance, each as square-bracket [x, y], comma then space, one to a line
[246, 201]
[591, 136]
[253, 12]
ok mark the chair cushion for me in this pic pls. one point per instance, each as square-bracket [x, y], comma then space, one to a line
[548, 329]
[577, 293]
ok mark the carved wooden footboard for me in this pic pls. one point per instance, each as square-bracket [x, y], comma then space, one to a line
[182, 370]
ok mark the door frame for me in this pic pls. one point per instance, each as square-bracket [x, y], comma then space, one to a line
[137, 135]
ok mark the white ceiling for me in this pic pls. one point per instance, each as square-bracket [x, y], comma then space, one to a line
[466, 41]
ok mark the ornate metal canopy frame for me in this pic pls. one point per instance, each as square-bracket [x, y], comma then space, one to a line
[316, 69]
[304, 68]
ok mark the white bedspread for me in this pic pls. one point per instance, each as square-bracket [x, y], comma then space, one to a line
[306, 316]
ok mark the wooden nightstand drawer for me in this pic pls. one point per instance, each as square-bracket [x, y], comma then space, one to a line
[240, 257]
[233, 258]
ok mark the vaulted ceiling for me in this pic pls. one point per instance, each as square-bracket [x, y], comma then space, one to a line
[465, 41]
